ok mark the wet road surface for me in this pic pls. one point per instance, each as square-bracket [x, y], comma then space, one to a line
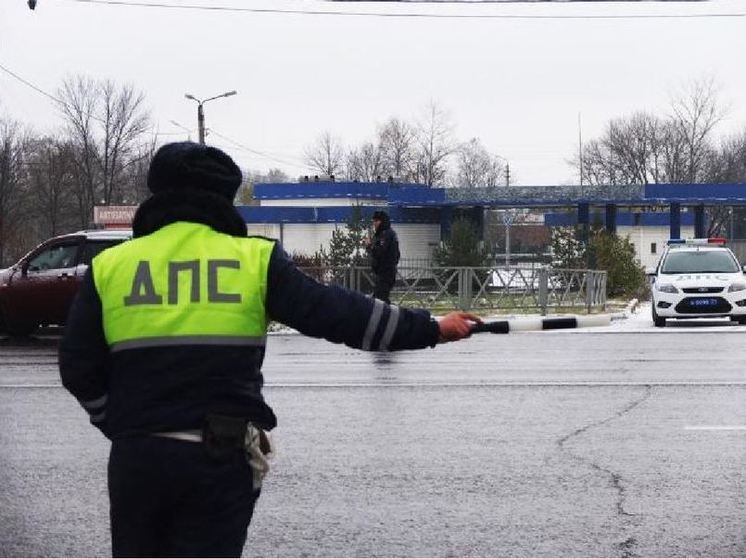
[625, 441]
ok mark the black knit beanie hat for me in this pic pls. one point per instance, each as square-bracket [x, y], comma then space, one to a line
[183, 165]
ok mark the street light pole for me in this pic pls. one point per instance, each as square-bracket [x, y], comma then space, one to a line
[201, 111]
[201, 123]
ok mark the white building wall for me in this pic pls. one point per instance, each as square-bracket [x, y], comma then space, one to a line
[306, 238]
[650, 241]
[416, 240]
[271, 230]
[322, 202]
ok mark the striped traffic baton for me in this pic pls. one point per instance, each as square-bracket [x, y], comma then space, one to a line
[554, 323]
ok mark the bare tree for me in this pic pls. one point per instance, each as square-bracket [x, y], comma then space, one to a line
[695, 113]
[397, 143]
[727, 164]
[106, 124]
[134, 179]
[647, 149]
[51, 172]
[124, 123]
[13, 190]
[632, 150]
[277, 175]
[640, 149]
[366, 163]
[326, 155]
[476, 167]
[78, 108]
[434, 136]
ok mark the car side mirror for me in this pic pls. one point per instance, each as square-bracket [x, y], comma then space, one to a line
[743, 268]
[24, 267]
[650, 272]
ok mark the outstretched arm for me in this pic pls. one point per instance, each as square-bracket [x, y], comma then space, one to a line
[344, 316]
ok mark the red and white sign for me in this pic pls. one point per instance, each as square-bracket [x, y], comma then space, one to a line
[114, 217]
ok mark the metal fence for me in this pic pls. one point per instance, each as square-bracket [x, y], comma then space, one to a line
[541, 289]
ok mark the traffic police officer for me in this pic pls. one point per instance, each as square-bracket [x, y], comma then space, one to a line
[383, 248]
[164, 346]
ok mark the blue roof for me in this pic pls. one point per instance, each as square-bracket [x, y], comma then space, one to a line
[395, 194]
[623, 219]
[333, 214]
[418, 196]
[326, 189]
[702, 193]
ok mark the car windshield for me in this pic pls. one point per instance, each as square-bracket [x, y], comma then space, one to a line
[54, 258]
[699, 262]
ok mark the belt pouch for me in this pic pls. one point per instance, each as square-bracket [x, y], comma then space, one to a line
[222, 435]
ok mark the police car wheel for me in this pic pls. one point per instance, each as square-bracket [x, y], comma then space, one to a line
[657, 320]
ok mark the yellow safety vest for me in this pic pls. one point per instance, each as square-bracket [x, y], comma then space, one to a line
[185, 284]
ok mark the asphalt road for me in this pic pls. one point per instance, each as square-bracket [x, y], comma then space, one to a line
[621, 441]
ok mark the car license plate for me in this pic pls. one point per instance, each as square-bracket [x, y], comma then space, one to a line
[703, 302]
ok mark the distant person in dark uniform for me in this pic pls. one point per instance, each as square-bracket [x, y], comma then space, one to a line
[164, 347]
[383, 248]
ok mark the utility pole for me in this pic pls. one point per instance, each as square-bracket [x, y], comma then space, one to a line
[580, 150]
[201, 111]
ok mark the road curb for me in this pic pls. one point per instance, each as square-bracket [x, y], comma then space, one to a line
[628, 310]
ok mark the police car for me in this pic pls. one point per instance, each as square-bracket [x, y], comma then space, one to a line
[698, 278]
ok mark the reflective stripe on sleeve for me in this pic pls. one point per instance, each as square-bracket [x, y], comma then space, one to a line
[375, 319]
[390, 328]
[93, 404]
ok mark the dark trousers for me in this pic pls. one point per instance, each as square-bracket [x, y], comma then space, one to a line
[170, 499]
[384, 284]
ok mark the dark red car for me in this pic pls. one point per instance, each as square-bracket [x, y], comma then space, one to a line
[38, 290]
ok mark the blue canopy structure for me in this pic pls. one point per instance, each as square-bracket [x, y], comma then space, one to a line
[415, 203]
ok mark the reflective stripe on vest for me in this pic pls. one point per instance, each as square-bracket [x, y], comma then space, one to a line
[185, 284]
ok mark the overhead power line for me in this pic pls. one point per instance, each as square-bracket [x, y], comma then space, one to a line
[492, 1]
[212, 131]
[254, 151]
[29, 84]
[57, 100]
[412, 15]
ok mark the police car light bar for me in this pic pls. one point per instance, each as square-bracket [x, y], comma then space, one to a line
[708, 241]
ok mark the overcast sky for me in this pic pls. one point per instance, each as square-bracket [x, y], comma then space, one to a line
[517, 84]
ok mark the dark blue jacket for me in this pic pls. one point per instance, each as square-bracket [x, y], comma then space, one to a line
[384, 249]
[138, 391]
